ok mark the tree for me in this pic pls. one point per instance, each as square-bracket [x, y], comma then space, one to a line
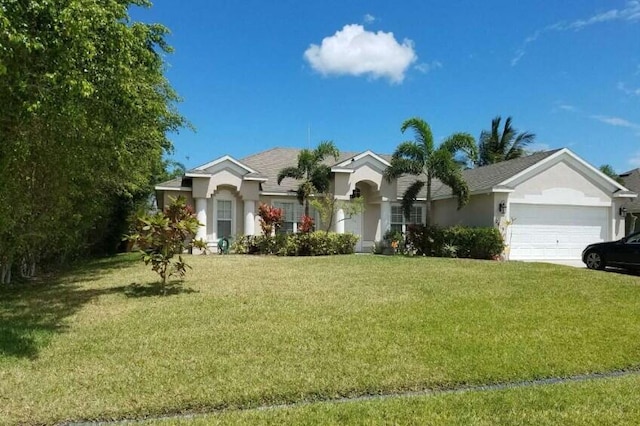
[421, 157]
[608, 170]
[315, 176]
[84, 118]
[162, 236]
[496, 146]
[327, 205]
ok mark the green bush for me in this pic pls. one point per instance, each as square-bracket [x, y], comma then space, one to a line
[456, 241]
[317, 243]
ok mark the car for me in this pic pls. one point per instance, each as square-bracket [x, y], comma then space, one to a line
[624, 253]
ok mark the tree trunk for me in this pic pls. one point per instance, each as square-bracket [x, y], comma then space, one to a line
[428, 204]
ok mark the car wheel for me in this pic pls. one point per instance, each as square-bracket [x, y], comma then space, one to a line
[594, 260]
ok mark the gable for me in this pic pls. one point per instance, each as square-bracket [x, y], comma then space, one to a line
[561, 183]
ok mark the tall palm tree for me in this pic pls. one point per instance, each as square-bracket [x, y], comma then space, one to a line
[496, 146]
[315, 176]
[422, 157]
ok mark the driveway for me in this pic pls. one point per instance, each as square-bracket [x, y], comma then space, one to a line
[573, 263]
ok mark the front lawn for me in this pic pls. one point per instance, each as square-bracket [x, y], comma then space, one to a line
[248, 331]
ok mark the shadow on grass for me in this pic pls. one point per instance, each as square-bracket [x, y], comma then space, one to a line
[149, 290]
[33, 312]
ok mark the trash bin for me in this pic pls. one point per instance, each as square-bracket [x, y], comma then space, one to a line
[223, 246]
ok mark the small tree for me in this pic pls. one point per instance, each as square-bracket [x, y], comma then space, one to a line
[306, 224]
[327, 205]
[270, 218]
[165, 234]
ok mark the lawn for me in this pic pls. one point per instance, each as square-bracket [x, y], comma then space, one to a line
[249, 331]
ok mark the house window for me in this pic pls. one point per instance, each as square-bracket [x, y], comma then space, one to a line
[292, 214]
[399, 223]
[224, 215]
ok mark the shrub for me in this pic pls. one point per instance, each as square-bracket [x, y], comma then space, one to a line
[456, 241]
[165, 234]
[317, 243]
[270, 218]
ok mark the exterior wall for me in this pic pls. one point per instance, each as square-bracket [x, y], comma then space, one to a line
[478, 212]
[166, 198]
[560, 184]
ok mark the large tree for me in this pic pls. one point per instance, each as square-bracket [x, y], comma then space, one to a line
[315, 177]
[84, 118]
[498, 145]
[422, 158]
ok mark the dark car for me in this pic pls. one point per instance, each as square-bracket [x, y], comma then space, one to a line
[624, 253]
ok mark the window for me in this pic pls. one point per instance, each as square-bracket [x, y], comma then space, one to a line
[399, 223]
[224, 215]
[292, 214]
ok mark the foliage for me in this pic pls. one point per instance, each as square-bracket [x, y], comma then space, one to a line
[306, 224]
[84, 118]
[608, 170]
[315, 176]
[456, 241]
[318, 243]
[162, 236]
[421, 157]
[496, 146]
[327, 205]
[270, 218]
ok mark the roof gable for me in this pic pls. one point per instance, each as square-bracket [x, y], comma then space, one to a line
[225, 162]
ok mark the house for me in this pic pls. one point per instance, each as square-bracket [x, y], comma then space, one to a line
[549, 205]
[631, 180]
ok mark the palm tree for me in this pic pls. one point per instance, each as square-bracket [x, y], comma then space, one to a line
[496, 146]
[315, 176]
[422, 157]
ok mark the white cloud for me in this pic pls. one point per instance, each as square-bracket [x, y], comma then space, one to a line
[355, 51]
[629, 13]
[537, 147]
[427, 67]
[616, 121]
[628, 90]
[369, 19]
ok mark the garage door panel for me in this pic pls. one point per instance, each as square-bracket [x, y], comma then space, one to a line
[547, 232]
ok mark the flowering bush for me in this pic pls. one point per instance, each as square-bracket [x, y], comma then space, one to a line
[306, 224]
[270, 218]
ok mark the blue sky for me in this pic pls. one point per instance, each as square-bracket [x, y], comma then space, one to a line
[257, 74]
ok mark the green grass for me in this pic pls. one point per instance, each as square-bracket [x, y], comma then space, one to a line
[249, 331]
[602, 402]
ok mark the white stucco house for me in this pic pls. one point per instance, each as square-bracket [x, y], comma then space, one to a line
[556, 203]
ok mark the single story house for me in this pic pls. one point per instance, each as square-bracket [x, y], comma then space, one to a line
[549, 205]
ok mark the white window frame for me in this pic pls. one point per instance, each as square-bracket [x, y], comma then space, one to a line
[297, 209]
[224, 196]
[405, 223]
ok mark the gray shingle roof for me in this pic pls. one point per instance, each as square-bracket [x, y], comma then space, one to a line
[268, 163]
[174, 183]
[631, 181]
[481, 178]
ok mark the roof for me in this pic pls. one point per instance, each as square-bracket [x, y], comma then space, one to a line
[631, 180]
[267, 164]
[270, 162]
[479, 179]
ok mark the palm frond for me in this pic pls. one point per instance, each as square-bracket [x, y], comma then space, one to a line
[445, 168]
[321, 178]
[410, 196]
[461, 142]
[289, 172]
[402, 166]
[422, 132]
[326, 149]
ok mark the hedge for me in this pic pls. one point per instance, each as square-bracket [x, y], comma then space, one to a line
[456, 241]
[317, 243]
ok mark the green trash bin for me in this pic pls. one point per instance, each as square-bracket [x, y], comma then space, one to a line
[223, 245]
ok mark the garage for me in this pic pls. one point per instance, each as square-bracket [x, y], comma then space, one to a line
[555, 232]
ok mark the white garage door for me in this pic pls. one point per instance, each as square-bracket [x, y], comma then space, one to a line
[547, 232]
